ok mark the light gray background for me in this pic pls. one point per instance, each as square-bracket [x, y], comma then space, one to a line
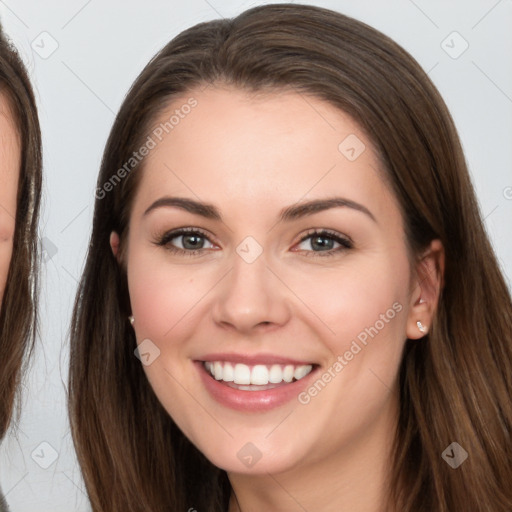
[102, 46]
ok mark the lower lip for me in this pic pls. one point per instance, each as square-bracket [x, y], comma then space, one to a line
[252, 400]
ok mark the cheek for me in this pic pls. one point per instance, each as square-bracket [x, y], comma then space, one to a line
[6, 247]
[361, 314]
[164, 296]
[355, 300]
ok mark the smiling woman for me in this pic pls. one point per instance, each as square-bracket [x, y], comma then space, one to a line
[309, 229]
[20, 190]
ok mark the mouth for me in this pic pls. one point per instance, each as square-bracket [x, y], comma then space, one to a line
[254, 387]
[259, 377]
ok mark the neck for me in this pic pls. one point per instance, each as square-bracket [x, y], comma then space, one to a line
[355, 477]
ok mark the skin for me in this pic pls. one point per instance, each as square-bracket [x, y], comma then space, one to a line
[9, 173]
[251, 156]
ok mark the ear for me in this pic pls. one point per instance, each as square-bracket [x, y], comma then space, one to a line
[426, 289]
[114, 245]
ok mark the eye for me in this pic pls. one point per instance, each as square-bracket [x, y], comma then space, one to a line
[323, 243]
[186, 241]
[191, 242]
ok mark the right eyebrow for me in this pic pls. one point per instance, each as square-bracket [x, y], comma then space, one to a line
[204, 209]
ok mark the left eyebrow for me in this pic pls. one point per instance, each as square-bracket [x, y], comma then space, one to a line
[302, 209]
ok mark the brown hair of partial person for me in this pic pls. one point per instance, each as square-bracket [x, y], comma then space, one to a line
[18, 314]
[455, 385]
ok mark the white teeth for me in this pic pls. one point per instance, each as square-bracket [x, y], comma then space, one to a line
[242, 374]
[259, 375]
[217, 370]
[228, 373]
[276, 374]
[300, 371]
[288, 373]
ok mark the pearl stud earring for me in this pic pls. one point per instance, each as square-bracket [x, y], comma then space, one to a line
[421, 327]
[131, 319]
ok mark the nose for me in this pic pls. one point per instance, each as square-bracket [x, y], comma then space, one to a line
[251, 298]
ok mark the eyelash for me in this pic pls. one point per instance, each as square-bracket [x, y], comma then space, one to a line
[167, 237]
[345, 243]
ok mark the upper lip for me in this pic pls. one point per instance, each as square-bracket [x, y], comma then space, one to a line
[253, 359]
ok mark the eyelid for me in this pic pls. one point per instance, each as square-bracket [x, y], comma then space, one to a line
[327, 232]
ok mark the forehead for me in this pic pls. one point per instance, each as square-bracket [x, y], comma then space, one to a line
[253, 150]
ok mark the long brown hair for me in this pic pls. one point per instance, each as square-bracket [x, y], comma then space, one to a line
[455, 385]
[18, 314]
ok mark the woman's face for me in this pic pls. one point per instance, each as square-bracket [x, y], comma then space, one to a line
[263, 297]
[9, 171]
